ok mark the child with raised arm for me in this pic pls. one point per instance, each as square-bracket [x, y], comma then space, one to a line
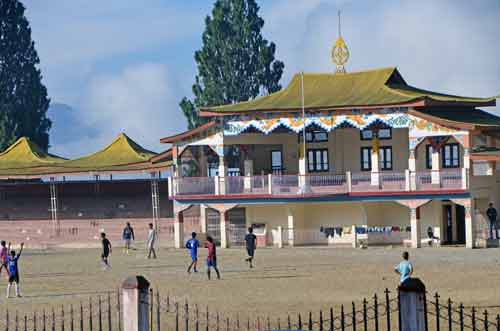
[13, 270]
[193, 244]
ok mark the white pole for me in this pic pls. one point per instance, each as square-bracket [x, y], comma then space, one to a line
[303, 116]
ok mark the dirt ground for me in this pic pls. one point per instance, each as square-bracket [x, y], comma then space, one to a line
[284, 280]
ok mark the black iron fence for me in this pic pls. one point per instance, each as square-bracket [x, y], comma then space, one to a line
[379, 313]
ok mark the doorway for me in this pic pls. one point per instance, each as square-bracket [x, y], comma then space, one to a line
[213, 224]
[448, 224]
[460, 217]
[453, 224]
[237, 226]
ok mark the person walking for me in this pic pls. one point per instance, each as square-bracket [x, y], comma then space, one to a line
[128, 237]
[251, 243]
[4, 256]
[212, 257]
[193, 244]
[151, 241]
[492, 214]
[107, 249]
[404, 268]
[13, 268]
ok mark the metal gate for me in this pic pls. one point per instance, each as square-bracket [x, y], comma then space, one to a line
[213, 224]
[237, 226]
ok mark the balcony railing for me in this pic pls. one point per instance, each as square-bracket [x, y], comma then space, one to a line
[319, 185]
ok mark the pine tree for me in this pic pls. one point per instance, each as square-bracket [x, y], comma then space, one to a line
[23, 97]
[235, 62]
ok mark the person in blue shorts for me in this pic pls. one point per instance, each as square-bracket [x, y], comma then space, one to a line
[212, 257]
[404, 268]
[193, 244]
[13, 270]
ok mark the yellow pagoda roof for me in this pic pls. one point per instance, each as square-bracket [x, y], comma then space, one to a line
[384, 87]
[26, 154]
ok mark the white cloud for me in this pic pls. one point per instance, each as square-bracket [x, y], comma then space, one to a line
[138, 101]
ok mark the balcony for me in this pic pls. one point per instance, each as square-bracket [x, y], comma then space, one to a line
[275, 186]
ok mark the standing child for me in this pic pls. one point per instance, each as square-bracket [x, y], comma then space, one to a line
[4, 255]
[106, 251]
[404, 268]
[13, 269]
[151, 241]
[193, 244]
[128, 237]
[212, 257]
[251, 243]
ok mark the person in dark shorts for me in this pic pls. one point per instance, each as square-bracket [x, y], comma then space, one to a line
[212, 257]
[13, 269]
[106, 251]
[251, 243]
[193, 244]
[4, 256]
[128, 236]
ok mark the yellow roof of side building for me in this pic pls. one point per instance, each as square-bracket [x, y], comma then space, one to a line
[329, 91]
[26, 154]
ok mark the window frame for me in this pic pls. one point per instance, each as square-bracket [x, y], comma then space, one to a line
[318, 166]
[373, 134]
[383, 163]
[369, 161]
[452, 158]
[313, 134]
[428, 156]
[281, 160]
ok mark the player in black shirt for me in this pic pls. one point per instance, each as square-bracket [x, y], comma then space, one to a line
[251, 243]
[106, 250]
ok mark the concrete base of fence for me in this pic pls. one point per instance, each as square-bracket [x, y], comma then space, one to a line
[412, 305]
[135, 300]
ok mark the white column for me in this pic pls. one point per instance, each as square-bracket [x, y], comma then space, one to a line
[291, 225]
[348, 177]
[415, 229]
[280, 237]
[224, 242]
[135, 301]
[412, 167]
[407, 180]
[375, 176]
[354, 237]
[270, 184]
[222, 175]
[302, 173]
[436, 167]
[203, 218]
[179, 230]
[248, 172]
[469, 226]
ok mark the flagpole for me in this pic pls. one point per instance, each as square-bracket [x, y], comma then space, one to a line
[303, 119]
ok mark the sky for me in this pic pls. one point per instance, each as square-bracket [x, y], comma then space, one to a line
[124, 65]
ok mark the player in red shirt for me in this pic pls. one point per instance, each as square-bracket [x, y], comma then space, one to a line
[212, 257]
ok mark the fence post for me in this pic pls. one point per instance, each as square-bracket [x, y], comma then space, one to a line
[135, 297]
[486, 323]
[26, 323]
[100, 313]
[207, 326]
[388, 309]
[44, 321]
[411, 305]
[110, 327]
[473, 319]
[81, 317]
[332, 325]
[186, 316]
[7, 322]
[53, 320]
[353, 316]
[450, 316]
[438, 312]
[375, 311]
[72, 318]
[461, 311]
[342, 318]
[62, 318]
[320, 321]
[34, 321]
[158, 309]
[118, 310]
[498, 322]
[365, 315]
[91, 322]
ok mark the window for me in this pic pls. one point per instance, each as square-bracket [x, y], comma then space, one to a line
[450, 155]
[428, 156]
[317, 160]
[385, 157]
[382, 134]
[276, 162]
[366, 158]
[314, 136]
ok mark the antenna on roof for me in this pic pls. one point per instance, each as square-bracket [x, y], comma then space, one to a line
[340, 52]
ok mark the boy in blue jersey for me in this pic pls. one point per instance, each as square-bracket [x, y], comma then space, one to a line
[193, 244]
[404, 268]
[13, 270]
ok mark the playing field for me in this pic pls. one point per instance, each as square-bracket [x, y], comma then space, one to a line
[284, 280]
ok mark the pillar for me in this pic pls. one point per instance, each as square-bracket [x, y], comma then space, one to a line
[222, 175]
[469, 226]
[179, 230]
[248, 173]
[375, 175]
[436, 167]
[302, 173]
[203, 218]
[224, 242]
[291, 224]
[412, 169]
[416, 237]
[135, 301]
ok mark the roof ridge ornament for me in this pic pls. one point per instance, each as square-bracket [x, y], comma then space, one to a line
[340, 52]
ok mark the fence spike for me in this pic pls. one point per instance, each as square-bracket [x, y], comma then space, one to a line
[486, 323]
[62, 318]
[217, 322]
[186, 316]
[7, 322]
[34, 320]
[90, 315]
[375, 311]
[100, 312]
[227, 323]
[342, 318]
[300, 322]
[438, 311]
[176, 316]
[207, 320]
[197, 324]
[279, 324]
[72, 318]
[289, 322]
[158, 309]
[17, 321]
[332, 322]
[150, 304]
[310, 324]
[25, 322]
[320, 320]
[473, 318]
[248, 323]
[461, 313]
[44, 320]
[365, 314]
[498, 322]
[353, 316]
[118, 310]
[53, 320]
[110, 326]
[237, 321]
[81, 316]
[388, 308]
[450, 315]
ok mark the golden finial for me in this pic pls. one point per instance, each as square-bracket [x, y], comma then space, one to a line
[340, 52]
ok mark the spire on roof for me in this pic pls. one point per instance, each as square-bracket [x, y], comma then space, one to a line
[340, 52]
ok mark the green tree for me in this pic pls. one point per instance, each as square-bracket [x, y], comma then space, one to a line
[235, 62]
[23, 97]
